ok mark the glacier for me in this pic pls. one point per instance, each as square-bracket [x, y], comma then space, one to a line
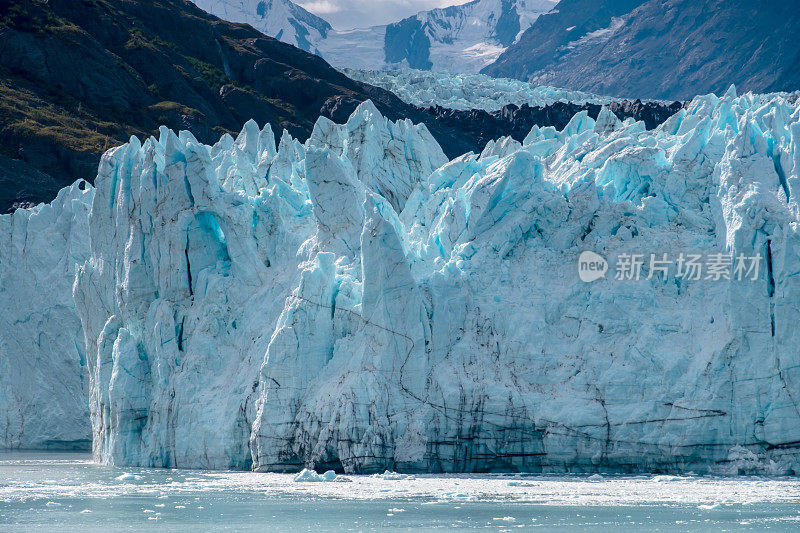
[43, 381]
[187, 265]
[425, 88]
[359, 303]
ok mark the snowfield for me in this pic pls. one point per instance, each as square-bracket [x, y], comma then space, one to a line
[358, 302]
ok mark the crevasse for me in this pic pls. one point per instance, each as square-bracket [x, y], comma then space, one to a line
[360, 303]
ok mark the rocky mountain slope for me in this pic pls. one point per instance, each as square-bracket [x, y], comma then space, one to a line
[359, 302]
[78, 77]
[671, 49]
[553, 35]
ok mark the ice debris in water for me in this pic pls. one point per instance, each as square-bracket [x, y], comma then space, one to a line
[357, 300]
[393, 476]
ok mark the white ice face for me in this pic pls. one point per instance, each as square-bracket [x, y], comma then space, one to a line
[360, 302]
[43, 378]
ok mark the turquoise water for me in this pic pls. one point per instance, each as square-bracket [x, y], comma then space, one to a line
[67, 492]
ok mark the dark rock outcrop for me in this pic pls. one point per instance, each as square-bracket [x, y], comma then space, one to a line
[483, 126]
[407, 40]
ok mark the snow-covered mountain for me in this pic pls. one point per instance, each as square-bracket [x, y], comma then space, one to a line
[282, 19]
[358, 301]
[461, 38]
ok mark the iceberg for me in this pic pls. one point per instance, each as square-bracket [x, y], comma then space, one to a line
[358, 303]
[311, 476]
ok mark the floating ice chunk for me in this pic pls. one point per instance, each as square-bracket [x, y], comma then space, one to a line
[127, 476]
[310, 476]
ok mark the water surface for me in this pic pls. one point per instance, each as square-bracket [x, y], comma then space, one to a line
[68, 492]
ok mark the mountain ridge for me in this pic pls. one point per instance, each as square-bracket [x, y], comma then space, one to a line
[669, 49]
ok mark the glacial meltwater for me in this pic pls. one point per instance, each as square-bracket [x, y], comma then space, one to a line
[68, 492]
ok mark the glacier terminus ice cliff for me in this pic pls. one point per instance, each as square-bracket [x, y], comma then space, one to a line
[360, 303]
[43, 377]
